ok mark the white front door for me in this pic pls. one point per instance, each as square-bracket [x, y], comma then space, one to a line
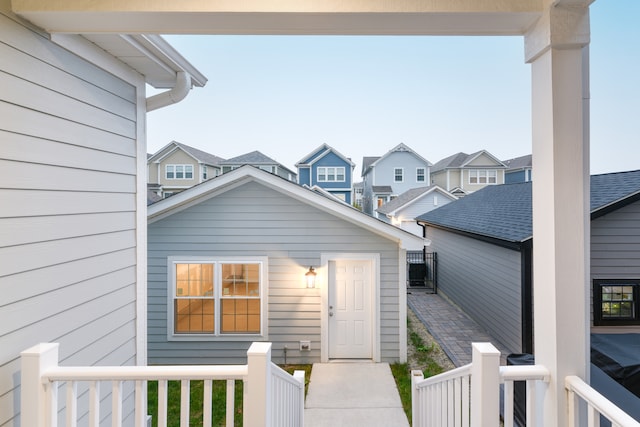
[350, 313]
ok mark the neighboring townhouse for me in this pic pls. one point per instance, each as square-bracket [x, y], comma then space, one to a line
[518, 169]
[484, 244]
[73, 202]
[260, 161]
[176, 167]
[463, 173]
[390, 175]
[328, 169]
[358, 188]
[403, 210]
[256, 236]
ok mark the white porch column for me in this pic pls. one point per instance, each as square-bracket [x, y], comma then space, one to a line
[556, 47]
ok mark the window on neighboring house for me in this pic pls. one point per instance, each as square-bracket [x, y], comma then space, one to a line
[204, 172]
[226, 169]
[215, 297]
[420, 175]
[330, 174]
[483, 176]
[179, 171]
[398, 175]
[615, 302]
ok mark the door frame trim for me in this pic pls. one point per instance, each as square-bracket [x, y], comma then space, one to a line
[323, 280]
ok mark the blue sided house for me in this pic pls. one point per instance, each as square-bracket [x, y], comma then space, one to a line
[328, 169]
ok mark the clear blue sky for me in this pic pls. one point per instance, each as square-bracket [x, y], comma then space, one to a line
[284, 95]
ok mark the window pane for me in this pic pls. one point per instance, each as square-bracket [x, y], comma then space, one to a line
[240, 280]
[194, 316]
[339, 174]
[188, 171]
[420, 175]
[179, 172]
[398, 174]
[169, 170]
[240, 316]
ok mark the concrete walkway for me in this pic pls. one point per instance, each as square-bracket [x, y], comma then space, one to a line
[450, 326]
[353, 394]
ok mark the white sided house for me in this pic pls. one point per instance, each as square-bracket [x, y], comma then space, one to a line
[73, 197]
[228, 263]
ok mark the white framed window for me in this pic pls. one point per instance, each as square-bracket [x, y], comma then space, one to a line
[331, 174]
[216, 298]
[398, 175]
[420, 174]
[179, 171]
[483, 176]
[204, 172]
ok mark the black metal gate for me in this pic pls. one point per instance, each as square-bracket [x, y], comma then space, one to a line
[422, 271]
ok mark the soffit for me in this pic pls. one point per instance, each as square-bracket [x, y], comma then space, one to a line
[362, 17]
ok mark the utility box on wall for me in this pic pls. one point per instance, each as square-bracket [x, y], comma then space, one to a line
[305, 345]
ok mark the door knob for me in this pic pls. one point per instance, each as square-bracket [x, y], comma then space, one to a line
[330, 313]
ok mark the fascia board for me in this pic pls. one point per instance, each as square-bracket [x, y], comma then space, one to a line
[478, 154]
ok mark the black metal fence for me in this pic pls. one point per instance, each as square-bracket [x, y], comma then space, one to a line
[422, 271]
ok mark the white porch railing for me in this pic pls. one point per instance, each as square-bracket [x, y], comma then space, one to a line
[597, 405]
[469, 396]
[271, 396]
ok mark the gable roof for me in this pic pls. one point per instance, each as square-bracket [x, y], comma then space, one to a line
[247, 173]
[319, 153]
[411, 196]
[460, 160]
[255, 158]
[504, 212]
[198, 155]
[368, 162]
[518, 162]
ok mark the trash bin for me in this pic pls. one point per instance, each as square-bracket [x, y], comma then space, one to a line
[520, 388]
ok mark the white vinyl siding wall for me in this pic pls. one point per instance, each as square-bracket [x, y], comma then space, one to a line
[253, 220]
[484, 280]
[68, 209]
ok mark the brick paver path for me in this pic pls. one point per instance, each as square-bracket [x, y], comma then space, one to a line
[450, 326]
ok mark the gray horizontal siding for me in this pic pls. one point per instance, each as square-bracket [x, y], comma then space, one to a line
[484, 280]
[615, 244]
[253, 220]
[67, 218]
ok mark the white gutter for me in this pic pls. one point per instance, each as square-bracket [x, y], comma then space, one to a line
[172, 96]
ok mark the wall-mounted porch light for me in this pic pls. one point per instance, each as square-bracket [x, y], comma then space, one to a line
[311, 278]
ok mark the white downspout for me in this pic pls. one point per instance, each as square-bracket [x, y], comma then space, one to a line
[172, 96]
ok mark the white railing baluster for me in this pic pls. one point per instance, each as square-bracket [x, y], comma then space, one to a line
[72, 404]
[163, 395]
[593, 417]
[508, 403]
[466, 401]
[207, 402]
[231, 400]
[532, 413]
[116, 403]
[141, 404]
[94, 404]
[185, 399]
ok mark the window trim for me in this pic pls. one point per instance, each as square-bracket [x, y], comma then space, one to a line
[336, 173]
[217, 260]
[598, 320]
[423, 174]
[174, 167]
[395, 175]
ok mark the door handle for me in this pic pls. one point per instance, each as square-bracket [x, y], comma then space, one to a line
[331, 314]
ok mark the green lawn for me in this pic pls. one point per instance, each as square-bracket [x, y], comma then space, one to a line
[197, 392]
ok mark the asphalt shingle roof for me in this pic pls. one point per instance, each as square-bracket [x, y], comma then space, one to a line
[518, 162]
[504, 211]
[402, 199]
[202, 156]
